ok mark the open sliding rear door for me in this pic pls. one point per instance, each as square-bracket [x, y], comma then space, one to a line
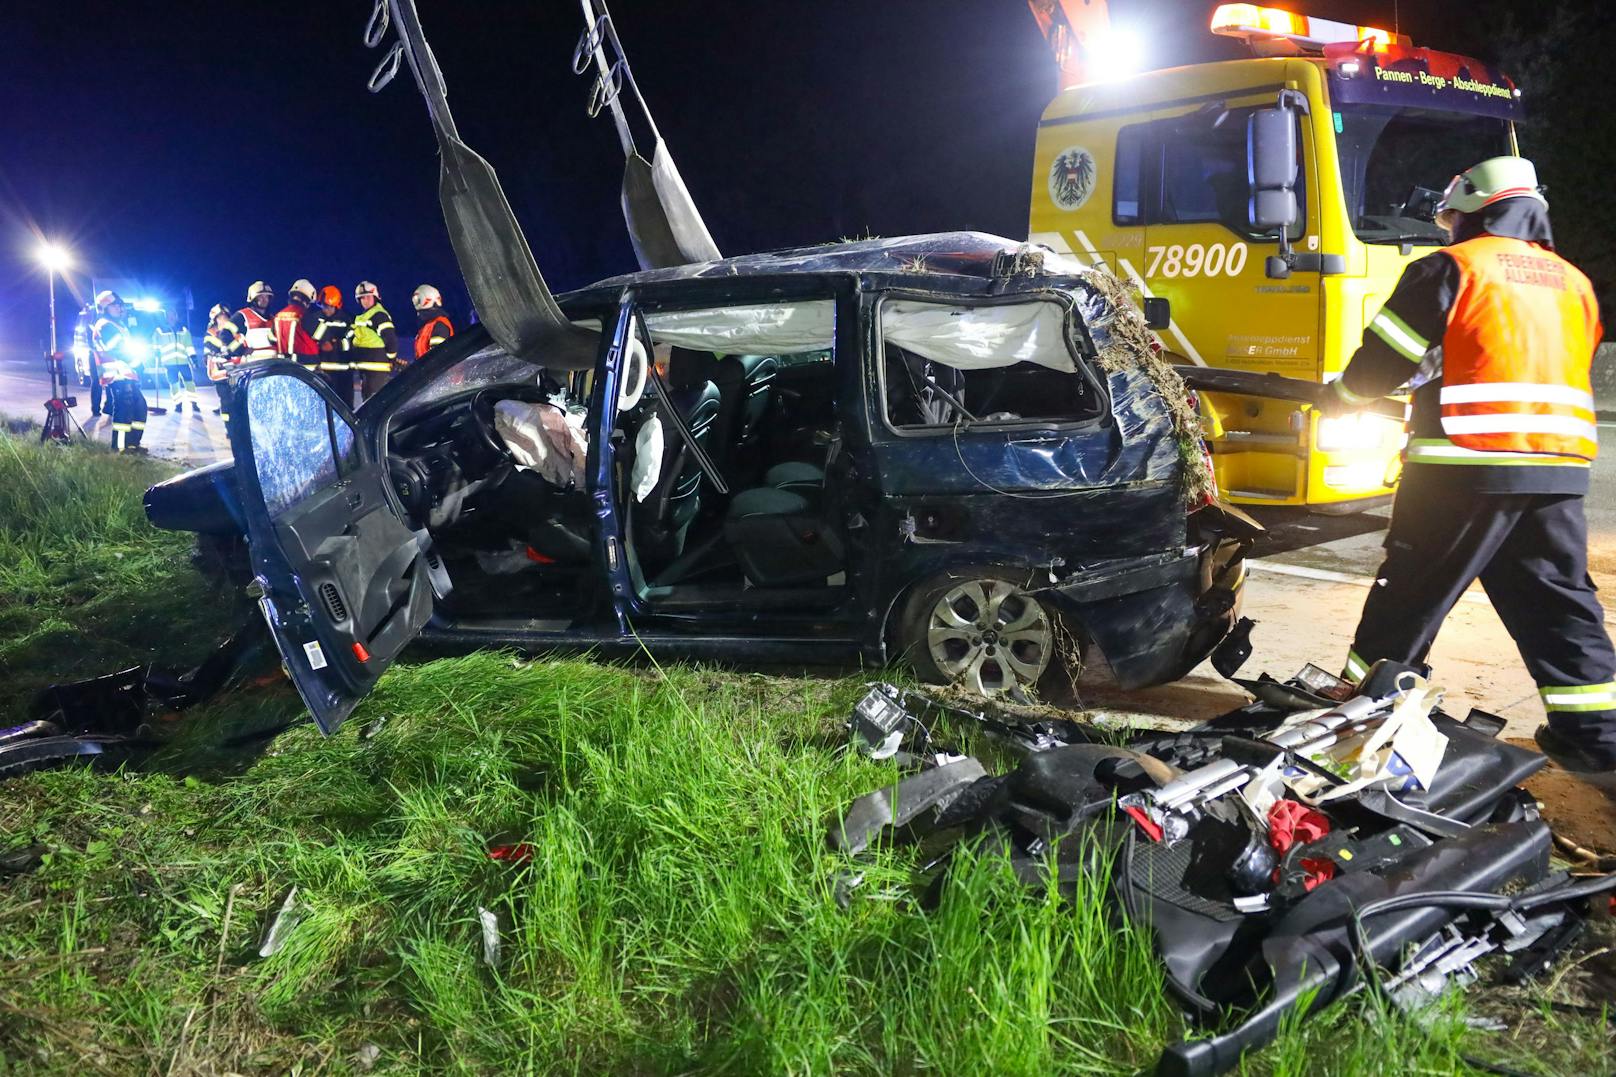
[342, 582]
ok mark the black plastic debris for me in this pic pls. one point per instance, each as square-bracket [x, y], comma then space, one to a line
[106, 719]
[886, 810]
[1282, 856]
[21, 861]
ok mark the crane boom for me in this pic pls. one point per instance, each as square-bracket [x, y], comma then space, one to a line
[1071, 27]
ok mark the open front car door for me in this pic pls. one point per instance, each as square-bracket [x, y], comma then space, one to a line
[342, 582]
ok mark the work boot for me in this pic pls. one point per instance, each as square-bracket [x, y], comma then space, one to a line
[1569, 755]
[196, 409]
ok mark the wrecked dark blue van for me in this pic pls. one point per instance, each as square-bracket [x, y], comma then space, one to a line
[929, 447]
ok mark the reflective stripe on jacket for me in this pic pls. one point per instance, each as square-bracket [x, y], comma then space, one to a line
[291, 339]
[333, 334]
[173, 347]
[433, 333]
[108, 338]
[259, 332]
[369, 327]
[1518, 350]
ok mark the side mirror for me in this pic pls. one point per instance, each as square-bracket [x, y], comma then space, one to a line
[1158, 312]
[1271, 169]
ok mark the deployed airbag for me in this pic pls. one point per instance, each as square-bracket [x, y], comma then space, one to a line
[543, 438]
[978, 337]
[750, 329]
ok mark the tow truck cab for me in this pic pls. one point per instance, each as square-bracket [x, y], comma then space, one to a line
[1158, 177]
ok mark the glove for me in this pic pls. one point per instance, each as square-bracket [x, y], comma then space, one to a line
[1333, 401]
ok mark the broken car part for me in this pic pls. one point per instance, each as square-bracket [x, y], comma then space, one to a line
[1260, 904]
[506, 287]
[663, 222]
[899, 805]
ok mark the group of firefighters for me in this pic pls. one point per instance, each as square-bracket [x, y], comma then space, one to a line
[311, 330]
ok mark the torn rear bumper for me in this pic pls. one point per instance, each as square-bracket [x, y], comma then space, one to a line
[1157, 618]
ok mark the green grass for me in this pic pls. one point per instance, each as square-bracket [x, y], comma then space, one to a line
[87, 586]
[678, 914]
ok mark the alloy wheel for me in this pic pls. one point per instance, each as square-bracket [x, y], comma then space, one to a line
[990, 636]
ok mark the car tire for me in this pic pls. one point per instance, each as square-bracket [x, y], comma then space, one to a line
[979, 628]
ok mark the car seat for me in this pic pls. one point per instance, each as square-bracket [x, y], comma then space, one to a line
[781, 538]
[661, 521]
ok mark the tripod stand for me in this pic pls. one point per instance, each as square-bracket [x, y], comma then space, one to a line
[59, 422]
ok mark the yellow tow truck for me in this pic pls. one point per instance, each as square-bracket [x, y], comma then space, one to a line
[1264, 207]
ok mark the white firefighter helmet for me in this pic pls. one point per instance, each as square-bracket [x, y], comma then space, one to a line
[217, 312]
[364, 288]
[1494, 180]
[258, 288]
[302, 288]
[105, 299]
[426, 296]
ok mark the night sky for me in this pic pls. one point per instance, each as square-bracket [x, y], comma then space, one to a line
[182, 143]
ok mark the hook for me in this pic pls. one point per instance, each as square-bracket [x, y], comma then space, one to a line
[376, 28]
[606, 88]
[588, 42]
[386, 69]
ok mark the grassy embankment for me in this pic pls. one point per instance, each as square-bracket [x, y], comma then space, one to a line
[678, 912]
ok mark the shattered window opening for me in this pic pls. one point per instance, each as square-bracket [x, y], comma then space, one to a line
[1005, 363]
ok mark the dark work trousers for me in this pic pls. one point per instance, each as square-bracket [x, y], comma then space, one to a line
[1530, 552]
[95, 386]
[342, 383]
[226, 397]
[128, 413]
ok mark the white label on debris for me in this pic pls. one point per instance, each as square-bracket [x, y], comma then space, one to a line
[315, 656]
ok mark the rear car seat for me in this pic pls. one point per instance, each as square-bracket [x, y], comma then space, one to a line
[781, 538]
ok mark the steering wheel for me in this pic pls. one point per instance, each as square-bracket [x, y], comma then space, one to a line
[482, 412]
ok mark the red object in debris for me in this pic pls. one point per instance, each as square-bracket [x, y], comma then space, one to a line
[1146, 823]
[1291, 822]
[359, 652]
[539, 558]
[519, 853]
[1317, 870]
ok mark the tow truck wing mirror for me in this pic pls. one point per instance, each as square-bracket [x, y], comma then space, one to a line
[1271, 169]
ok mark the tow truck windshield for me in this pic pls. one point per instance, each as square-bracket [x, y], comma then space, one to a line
[1395, 163]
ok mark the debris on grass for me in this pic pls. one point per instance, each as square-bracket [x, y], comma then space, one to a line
[489, 921]
[1281, 859]
[281, 925]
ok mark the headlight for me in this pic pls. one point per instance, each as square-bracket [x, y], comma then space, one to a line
[1364, 475]
[137, 350]
[1339, 433]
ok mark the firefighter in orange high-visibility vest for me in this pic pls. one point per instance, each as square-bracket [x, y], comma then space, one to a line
[435, 327]
[1495, 336]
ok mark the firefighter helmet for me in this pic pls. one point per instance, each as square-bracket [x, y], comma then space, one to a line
[364, 288]
[106, 298]
[1479, 186]
[331, 296]
[302, 289]
[258, 288]
[426, 296]
[218, 311]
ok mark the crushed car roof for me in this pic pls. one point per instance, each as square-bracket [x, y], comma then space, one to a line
[968, 254]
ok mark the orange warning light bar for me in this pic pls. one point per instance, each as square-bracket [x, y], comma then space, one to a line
[1252, 23]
